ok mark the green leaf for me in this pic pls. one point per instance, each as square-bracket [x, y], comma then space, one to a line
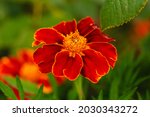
[53, 82]
[78, 85]
[39, 93]
[133, 76]
[114, 89]
[54, 85]
[20, 88]
[140, 80]
[72, 94]
[128, 94]
[139, 96]
[100, 96]
[7, 91]
[27, 85]
[117, 12]
[147, 95]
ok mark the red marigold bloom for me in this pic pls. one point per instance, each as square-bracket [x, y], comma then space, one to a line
[24, 67]
[141, 28]
[70, 49]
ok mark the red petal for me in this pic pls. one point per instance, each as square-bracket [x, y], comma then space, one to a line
[46, 67]
[69, 67]
[25, 55]
[107, 50]
[48, 36]
[35, 43]
[44, 57]
[86, 25]
[97, 36]
[95, 65]
[10, 66]
[60, 80]
[66, 27]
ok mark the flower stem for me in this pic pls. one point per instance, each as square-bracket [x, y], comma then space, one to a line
[78, 86]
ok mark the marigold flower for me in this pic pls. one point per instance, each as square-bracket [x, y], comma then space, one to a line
[70, 49]
[24, 67]
[141, 28]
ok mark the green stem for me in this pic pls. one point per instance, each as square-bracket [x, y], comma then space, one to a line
[78, 86]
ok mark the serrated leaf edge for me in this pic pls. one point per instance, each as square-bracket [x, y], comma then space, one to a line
[109, 27]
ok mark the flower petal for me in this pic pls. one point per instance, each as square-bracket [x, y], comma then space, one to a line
[35, 43]
[46, 67]
[95, 65]
[97, 36]
[25, 55]
[60, 80]
[47, 86]
[86, 25]
[44, 57]
[66, 27]
[48, 36]
[107, 50]
[67, 66]
[10, 66]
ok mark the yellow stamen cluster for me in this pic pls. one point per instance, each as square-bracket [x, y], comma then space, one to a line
[74, 43]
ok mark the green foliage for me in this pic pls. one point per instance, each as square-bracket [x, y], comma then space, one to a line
[100, 96]
[27, 85]
[39, 93]
[54, 85]
[122, 83]
[20, 88]
[7, 91]
[147, 95]
[139, 96]
[72, 95]
[114, 88]
[128, 94]
[117, 12]
[78, 85]
[20, 32]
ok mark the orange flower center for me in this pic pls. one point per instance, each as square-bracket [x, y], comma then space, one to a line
[74, 43]
[29, 72]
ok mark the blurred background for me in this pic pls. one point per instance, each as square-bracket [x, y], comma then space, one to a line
[129, 80]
